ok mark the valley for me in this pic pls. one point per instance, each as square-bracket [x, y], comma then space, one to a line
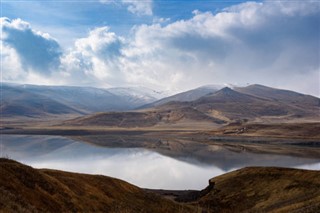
[158, 106]
[255, 118]
[209, 131]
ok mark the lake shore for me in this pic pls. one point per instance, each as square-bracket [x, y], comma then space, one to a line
[249, 189]
[179, 141]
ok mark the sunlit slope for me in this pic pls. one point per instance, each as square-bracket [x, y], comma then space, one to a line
[221, 107]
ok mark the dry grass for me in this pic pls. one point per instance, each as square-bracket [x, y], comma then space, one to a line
[265, 190]
[24, 189]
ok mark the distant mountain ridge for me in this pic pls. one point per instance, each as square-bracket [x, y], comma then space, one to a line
[285, 96]
[116, 106]
[39, 101]
[189, 95]
[24, 103]
[252, 103]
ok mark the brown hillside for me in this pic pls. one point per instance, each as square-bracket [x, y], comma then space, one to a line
[255, 189]
[236, 105]
[24, 189]
[264, 190]
[253, 103]
[146, 118]
[285, 96]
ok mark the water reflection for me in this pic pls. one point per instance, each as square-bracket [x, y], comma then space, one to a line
[139, 166]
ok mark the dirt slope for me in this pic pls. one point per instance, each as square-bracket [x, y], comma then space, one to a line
[264, 190]
[254, 189]
[253, 104]
[24, 189]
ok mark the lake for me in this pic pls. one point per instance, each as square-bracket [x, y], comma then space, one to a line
[142, 167]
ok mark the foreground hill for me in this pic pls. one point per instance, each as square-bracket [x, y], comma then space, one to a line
[254, 104]
[264, 190]
[24, 189]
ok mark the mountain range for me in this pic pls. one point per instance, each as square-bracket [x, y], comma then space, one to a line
[143, 107]
[39, 101]
[190, 95]
[255, 103]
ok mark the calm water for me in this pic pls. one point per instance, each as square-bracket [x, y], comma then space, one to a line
[138, 166]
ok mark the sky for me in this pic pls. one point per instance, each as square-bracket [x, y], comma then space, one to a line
[170, 45]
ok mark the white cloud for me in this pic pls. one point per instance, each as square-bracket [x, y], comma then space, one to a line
[11, 68]
[251, 42]
[139, 7]
[272, 43]
[107, 1]
[95, 57]
[134, 6]
[157, 20]
[36, 51]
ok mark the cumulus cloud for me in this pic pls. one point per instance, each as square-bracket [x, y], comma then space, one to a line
[95, 57]
[11, 68]
[270, 43]
[134, 6]
[273, 42]
[36, 51]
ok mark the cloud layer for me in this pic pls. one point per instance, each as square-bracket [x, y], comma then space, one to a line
[134, 6]
[272, 43]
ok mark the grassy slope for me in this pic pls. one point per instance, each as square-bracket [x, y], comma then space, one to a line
[24, 189]
[265, 190]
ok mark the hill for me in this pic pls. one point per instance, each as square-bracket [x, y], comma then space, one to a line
[258, 189]
[113, 107]
[148, 118]
[41, 101]
[236, 105]
[24, 189]
[254, 189]
[221, 107]
[285, 96]
[137, 96]
[16, 102]
[189, 95]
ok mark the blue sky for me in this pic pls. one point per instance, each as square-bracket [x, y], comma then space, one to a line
[166, 45]
[78, 17]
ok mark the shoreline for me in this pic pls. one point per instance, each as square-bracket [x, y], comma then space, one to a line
[244, 189]
[180, 142]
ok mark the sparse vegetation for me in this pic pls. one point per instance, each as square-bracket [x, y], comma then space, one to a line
[265, 190]
[255, 119]
[256, 189]
[24, 189]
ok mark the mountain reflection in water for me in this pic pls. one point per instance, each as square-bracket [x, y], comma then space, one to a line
[143, 167]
